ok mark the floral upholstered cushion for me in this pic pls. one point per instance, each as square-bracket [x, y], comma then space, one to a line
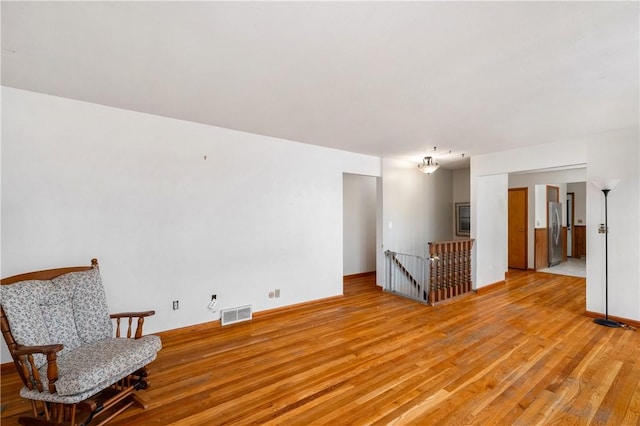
[70, 309]
[91, 368]
[57, 314]
[21, 304]
[89, 301]
[101, 363]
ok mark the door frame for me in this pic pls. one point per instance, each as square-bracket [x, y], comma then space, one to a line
[571, 215]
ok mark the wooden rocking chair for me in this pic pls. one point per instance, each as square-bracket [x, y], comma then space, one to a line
[60, 335]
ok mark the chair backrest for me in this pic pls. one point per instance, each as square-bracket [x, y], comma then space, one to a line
[64, 305]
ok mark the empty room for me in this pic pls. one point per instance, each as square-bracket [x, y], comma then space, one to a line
[344, 213]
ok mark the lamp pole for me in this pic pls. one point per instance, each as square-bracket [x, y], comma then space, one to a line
[606, 321]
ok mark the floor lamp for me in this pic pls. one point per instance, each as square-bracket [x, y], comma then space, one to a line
[605, 230]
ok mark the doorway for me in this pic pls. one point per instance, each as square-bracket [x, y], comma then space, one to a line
[570, 217]
[518, 219]
[360, 206]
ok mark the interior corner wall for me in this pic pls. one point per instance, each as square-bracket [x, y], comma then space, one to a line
[173, 210]
[580, 201]
[490, 230]
[380, 257]
[539, 206]
[359, 224]
[417, 208]
[438, 193]
[614, 157]
[461, 194]
[404, 208]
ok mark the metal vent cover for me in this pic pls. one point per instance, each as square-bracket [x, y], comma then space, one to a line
[234, 315]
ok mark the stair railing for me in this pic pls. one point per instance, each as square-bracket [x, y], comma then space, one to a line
[450, 269]
[444, 274]
[407, 275]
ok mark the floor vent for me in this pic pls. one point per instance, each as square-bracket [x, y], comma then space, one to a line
[234, 315]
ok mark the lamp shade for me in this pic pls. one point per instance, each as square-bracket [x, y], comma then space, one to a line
[606, 183]
[428, 166]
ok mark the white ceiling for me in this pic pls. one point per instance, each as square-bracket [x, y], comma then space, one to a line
[391, 79]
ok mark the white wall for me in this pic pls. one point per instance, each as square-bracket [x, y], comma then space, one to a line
[614, 157]
[359, 224]
[579, 201]
[461, 193]
[81, 180]
[438, 195]
[417, 208]
[541, 208]
[490, 234]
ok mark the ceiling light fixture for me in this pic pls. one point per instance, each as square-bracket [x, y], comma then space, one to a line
[428, 165]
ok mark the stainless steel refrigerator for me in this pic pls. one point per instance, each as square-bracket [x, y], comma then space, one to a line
[555, 238]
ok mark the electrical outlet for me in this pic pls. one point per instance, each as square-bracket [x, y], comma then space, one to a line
[271, 295]
[214, 296]
[176, 305]
[277, 292]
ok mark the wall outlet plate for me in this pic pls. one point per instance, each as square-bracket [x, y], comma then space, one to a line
[213, 304]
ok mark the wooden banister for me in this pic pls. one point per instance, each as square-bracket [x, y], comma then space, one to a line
[450, 269]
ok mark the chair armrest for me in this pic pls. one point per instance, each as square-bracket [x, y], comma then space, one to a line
[27, 367]
[45, 349]
[131, 315]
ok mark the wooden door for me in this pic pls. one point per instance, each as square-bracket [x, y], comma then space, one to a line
[580, 244]
[518, 221]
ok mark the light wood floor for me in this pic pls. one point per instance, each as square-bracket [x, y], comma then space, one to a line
[520, 354]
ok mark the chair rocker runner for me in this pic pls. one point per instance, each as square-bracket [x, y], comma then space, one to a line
[59, 332]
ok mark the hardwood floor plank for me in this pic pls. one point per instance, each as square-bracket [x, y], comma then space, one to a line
[632, 413]
[520, 353]
[575, 393]
[535, 413]
[612, 409]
